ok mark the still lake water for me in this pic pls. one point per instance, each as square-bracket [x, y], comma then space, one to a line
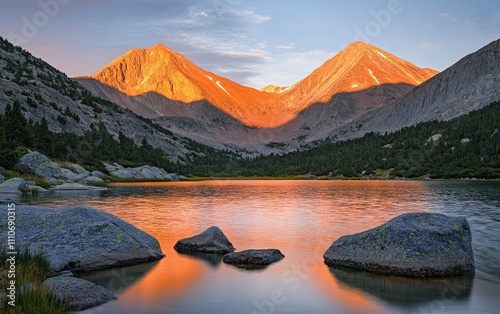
[302, 219]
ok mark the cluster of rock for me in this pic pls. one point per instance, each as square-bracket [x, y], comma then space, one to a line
[80, 240]
[141, 173]
[414, 245]
[65, 176]
[19, 185]
[57, 173]
[214, 241]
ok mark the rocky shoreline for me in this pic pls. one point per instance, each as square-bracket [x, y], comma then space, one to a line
[65, 176]
[80, 240]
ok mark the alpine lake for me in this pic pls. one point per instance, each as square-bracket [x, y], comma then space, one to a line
[302, 219]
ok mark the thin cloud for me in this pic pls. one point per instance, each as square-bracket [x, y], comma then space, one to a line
[286, 47]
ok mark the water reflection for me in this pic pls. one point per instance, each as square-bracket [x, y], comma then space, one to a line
[211, 259]
[119, 279]
[405, 292]
[301, 219]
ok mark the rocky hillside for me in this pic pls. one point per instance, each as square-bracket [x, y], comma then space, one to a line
[470, 84]
[43, 91]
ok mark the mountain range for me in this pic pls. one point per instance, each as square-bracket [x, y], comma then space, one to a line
[362, 89]
[351, 94]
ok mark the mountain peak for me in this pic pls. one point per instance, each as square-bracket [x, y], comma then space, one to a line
[359, 47]
[160, 70]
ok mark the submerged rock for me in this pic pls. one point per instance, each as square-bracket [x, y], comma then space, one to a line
[80, 294]
[251, 258]
[418, 245]
[81, 239]
[211, 240]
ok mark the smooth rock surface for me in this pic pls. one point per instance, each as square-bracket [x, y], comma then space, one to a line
[123, 174]
[76, 187]
[417, 245]
[13, 186]
[252, 257]
[80, 294]
[78, 169]
[211, 240]
[80, 239]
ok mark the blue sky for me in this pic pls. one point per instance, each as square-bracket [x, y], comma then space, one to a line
[254, 42]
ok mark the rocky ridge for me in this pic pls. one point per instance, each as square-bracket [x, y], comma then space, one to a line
[227, 115]
[362, 89]
[45, 92]
[470, 84]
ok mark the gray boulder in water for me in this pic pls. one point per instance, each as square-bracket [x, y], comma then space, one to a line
[13, 186]
[211, 240]
[78, 293]
[250, 258]
[415, 245]
[80, 239]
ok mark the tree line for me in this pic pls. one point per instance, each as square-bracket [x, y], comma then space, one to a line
[469, 147]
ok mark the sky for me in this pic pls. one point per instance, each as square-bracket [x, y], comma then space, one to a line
[253, 42]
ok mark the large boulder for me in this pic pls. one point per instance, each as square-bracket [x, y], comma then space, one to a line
[40, 165]
[2, 178]
[98, 174]
[123, 174]
[252, 258]
[76, 168]
[80, 239]
[13, 186]
[68, 175]
[417, 245]
[148, 174]
[78, 293]
[211, 240]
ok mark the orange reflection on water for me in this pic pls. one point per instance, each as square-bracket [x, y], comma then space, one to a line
[172, 277]
[301, 218]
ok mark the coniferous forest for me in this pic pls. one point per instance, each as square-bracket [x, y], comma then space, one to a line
[469, 147]
[466, 147]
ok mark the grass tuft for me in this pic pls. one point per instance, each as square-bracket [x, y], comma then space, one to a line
[31, 296]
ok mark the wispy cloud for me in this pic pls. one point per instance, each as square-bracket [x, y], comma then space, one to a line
[216, 35]
[286, 47]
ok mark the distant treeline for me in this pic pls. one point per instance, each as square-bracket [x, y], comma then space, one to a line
[469, 147]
